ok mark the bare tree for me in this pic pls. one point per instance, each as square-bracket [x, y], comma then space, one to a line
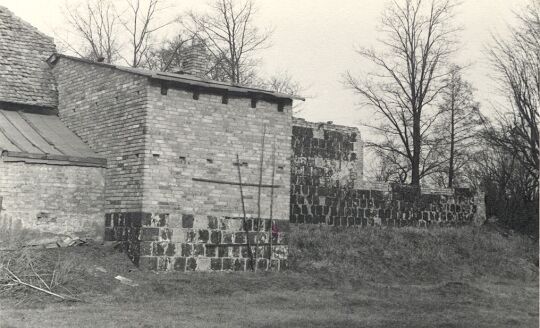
[231, 38]
[114, 32]
[461, 122]
[418, 40]
[96, 24]
[140, 22]
[517, 62]
[169, 56]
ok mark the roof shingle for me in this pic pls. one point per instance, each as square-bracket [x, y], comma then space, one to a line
[25, 77]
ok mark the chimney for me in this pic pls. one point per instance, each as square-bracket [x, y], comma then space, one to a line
[195, 60]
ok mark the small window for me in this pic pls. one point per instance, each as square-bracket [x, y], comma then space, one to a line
[225, 99]
[253, 103]
[280, 107]
[209, 161]
[196, 94]
[182, 159]
[155, 155]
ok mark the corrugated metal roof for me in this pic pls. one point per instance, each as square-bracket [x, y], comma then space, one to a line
[184, 79]
[42, 138]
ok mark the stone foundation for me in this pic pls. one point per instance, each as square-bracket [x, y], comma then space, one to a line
[167, 242]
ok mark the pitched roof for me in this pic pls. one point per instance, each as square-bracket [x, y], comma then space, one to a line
[185, 79]
[25, 77]
[39, 138]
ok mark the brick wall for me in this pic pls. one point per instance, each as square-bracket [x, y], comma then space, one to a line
[191, 173]
[41, 201]
[106, 108]
[325, 188]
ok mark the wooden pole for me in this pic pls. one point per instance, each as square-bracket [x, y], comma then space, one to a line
[261, 163]
[272, 198]
[250, 254]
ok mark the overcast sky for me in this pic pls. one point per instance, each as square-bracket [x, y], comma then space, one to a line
[314, 41]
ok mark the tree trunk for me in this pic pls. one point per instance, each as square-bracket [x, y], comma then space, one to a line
[417, 143]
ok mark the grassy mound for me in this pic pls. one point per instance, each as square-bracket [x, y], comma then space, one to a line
[412, 254]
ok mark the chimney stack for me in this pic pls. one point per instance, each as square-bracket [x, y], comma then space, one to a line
[195, 60]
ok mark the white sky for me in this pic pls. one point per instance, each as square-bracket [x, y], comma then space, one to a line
[314, 41]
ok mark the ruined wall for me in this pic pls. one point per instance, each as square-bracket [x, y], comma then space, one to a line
[325, 188]
[106, 108]
[41, 202]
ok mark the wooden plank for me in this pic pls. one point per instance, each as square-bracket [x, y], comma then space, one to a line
[235, 183]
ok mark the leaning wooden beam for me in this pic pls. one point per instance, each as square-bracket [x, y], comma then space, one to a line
[272, 199]
[235, 183]
[250, 253]
[261, 163]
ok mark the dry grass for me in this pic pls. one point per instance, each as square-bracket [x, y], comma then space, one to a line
[364, 278]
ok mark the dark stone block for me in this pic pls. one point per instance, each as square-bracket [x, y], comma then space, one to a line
[187, 221]
[212, 222]
[146, 248]
[248, 225]
[187, 250]
[301, 218]
[211, 251]
[203, 235]
[179, 264]
[227, 264]
[239, 265]
[149, 234]
[240, 237]
[190, 236]
[252, 237]
[198, 250]
[216, 264]
[222, 251]
[262, 264]
[215, 237]
[163, 218]
[166, 233]
[227, 237]
[191, 264]
[163, 263]
[244, 251]
[158, 249]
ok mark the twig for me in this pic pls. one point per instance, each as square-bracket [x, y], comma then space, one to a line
[19, 281]
[250, 254]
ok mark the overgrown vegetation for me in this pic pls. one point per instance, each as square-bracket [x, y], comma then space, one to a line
[375, 277]
[413, 255]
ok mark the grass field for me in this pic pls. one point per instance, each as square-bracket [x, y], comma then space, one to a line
[356, 278]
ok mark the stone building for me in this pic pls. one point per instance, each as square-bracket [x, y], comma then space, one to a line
[51, 183]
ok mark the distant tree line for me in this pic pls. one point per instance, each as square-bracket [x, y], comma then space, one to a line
[428, 126]
[128, 33]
